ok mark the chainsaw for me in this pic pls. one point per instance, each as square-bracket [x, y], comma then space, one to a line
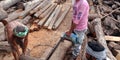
[73, 37]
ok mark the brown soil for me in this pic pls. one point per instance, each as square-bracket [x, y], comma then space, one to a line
[41, 40]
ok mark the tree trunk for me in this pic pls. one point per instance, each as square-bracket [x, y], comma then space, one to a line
[100, 37]
[8, 3]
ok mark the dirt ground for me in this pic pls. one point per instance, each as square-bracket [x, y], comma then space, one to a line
[40, 41]
[46, 38]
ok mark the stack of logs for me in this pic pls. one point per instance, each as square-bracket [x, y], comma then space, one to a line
[35, 14]
[104, 25]
[104, 20]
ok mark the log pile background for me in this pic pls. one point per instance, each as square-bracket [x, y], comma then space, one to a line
[104, 25]
[104, 20]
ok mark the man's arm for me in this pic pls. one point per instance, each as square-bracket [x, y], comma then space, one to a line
[73, 25]
[25, 44]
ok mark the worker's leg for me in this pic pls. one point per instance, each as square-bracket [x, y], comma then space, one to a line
[77, 45]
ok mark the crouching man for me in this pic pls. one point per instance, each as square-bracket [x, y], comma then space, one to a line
[17, 34]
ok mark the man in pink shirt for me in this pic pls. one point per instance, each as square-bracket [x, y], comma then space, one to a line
[79, 24]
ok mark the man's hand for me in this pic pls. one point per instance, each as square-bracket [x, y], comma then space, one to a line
[68, 33]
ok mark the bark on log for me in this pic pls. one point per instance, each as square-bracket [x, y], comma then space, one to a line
[93, 16]
[92, 10]
[46, 12]
[112, 38]
[37, 14]
[39, 7]
[3, 13]
[54, 18]
[90, 2]
[100, 37]
[1, 25]
[36, 21]
[60, 19]
[14, 15]
[110, 12]
[2, 34]
[113, 45]
[51, 17]
[8, 3]
[34, 27]
[109, 26]
[26, 20]
[118, 54]
[5, 47]
[25, 57]
[24, 13]
[100, 2]
[47, 52]
[41, 22]
[63, 46]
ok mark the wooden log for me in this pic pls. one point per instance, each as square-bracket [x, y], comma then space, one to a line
[39, 7]
[60, 19]
[3, 13]
[63, 46]
[92, 10]
[25, 57]
[98, 11]
[118, 17]
[106, 8]
[100, 2]
[1, 25]
[8, 3]
[93, 16]
[113, 45]
[26, 20]
[109, 26]
[118, 55]
[46, 12]
[24, 13]
[36, 21]
[51, 17]
[41, 22]
[34, 27]
[90, 2]
[37, 14]
[112, 38]
[2, 34]
[14, 15]
[118, 3]
[47, 52]
[54, 18]
[110, 13]
[5, 47]
[100, 37]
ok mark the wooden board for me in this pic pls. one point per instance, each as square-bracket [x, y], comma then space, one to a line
[112, 38]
